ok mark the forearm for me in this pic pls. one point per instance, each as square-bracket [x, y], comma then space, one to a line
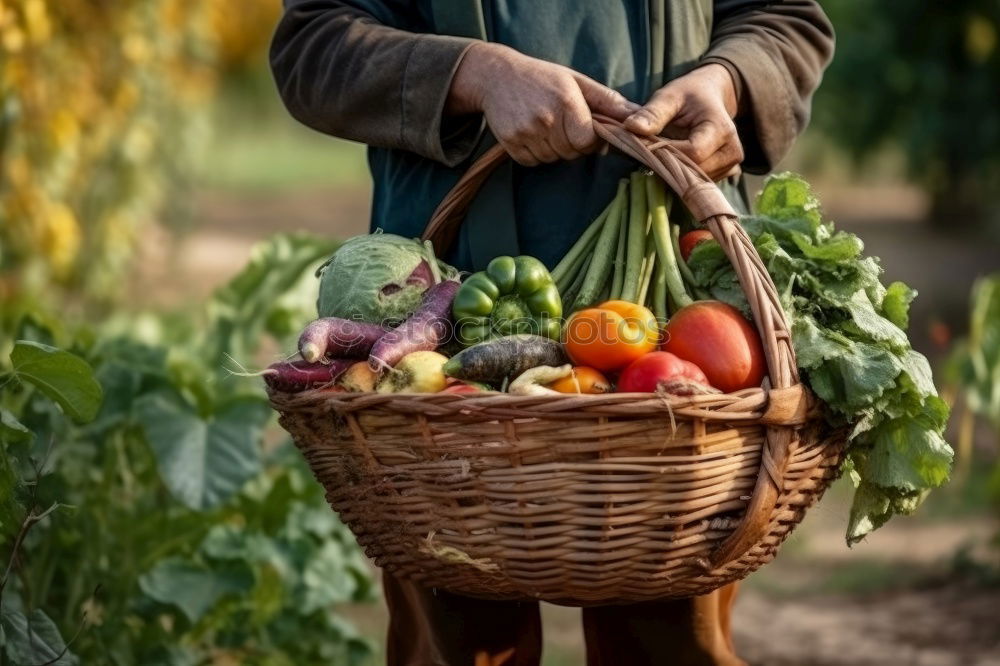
[776, 53]
[342, 72]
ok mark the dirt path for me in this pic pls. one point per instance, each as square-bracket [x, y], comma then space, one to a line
[895, 600]
[950, 625]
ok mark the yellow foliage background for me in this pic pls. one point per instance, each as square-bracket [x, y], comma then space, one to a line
[102, 108]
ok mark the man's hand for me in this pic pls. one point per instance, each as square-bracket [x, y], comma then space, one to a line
[537, 110]
[698, 108]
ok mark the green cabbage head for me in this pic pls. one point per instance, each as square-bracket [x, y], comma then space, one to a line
[378, 278]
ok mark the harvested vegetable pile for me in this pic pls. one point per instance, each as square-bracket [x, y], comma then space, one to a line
[849, 334]
[650, 307]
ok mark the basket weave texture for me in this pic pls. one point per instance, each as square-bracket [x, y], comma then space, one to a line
[579, 499]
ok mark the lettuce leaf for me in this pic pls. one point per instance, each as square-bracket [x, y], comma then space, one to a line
[849, 335]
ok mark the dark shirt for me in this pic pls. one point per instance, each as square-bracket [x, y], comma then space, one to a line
[377, 71]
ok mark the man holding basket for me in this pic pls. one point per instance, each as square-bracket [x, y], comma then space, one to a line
[430, 84]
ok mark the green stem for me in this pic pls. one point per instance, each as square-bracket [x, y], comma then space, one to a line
[567, 277]
[664, 248]
[605, 294]
[581, 247]
[603, 255]
[618, 279]
[660, 294]
[432, 261]
[638, 217]
[574, 286]
[648, 268]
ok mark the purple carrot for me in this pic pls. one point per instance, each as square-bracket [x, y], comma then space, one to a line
[425, 330]
[295, 376]
[333, 336]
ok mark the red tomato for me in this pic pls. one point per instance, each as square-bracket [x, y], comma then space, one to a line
[661, 370]
[718, 339]
[692, 238]
[462, 388]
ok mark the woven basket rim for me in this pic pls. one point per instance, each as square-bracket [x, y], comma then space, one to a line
[756, 404]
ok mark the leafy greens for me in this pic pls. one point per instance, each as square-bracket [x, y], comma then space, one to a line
[848, 331]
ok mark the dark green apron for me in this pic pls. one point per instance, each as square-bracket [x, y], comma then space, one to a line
[633, 46]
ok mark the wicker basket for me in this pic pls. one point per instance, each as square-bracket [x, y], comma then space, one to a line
[579, 499]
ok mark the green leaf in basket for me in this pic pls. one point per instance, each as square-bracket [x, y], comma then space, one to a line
[203, 461]
[848, 332]
[63, 377]
[867, 323]
[907, 453]
[896, 304]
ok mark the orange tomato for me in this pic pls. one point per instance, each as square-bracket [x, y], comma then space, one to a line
[582, 380]
[610, 335]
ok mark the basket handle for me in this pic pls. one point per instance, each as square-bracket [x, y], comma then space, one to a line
[709, 206]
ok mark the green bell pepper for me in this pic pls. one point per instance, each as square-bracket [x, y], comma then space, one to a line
[513, 295]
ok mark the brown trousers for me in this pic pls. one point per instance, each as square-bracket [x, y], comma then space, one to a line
[436, 628]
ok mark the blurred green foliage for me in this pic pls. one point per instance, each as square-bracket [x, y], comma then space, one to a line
[975, 362]
[926, 77]
[144, 517]
[257, 149]
[974, 369]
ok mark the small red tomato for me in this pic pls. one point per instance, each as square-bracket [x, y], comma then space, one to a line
[718, 339]
[462, 388]
[692, 238]
[662, 371]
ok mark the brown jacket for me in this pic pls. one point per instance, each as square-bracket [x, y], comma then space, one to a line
[345, 70]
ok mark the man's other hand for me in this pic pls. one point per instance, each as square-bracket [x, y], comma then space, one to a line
[537, 110]
[698, 109]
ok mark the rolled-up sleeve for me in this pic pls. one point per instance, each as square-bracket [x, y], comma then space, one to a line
[346, 70]
[776, 52]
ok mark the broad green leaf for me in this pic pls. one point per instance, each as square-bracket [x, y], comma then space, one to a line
[11, 510]
[33, 639]
[268, 595]
[126, 370]
[202, 461]
[194, 588]
[706, 260]
[907, 453]
[63, 377]
[839, 247]
[846, 374]
[325, 579]
[317, 520]
[228, 542]
[872, 324]
[896, 304]
[786, 196]
[11, 429]
[814, 345]
[869, 511]
[915, 365]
